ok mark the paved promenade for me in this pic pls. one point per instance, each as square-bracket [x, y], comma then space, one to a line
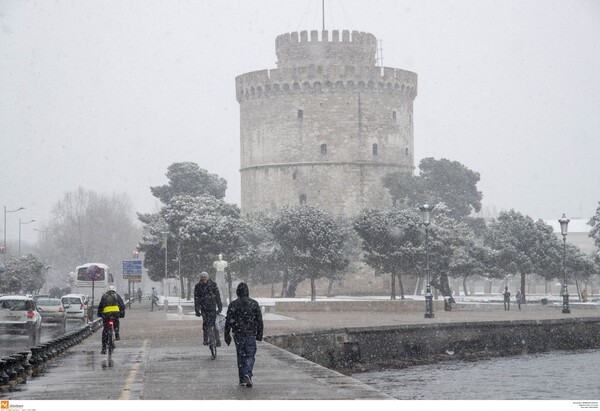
[160, 357]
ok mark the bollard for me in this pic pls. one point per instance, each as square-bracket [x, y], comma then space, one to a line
[10, 369]
[25, 361]
[36, 358]
[19, 369]
[166, 305]
[3, 375]
[45, 352]
[52, 349]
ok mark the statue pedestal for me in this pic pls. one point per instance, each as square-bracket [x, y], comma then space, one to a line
[223, 288]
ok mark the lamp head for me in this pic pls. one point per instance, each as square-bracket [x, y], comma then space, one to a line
[426, 210]
[564, 225]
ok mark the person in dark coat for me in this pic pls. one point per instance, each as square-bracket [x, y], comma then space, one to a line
[506, 299]
[207, 302]
[245, 319]
[111, 306]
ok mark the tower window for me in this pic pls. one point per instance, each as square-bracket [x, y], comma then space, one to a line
[294, 176]
[302, 198]
[375, 149]
[394, 114]
[323, 148]
[300, 114]
[406, 151]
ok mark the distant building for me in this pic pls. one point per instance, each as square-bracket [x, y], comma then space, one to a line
[325, 126]
[577, 234]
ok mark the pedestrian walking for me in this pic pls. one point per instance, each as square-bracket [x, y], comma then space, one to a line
[245, 319]
[207, 303]
[518, 297]
[506, 299]
[153, 299]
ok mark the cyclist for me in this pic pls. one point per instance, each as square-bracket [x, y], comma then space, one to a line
[111, 306]
[207, 302]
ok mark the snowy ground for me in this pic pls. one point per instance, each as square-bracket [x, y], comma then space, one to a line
[475, 299]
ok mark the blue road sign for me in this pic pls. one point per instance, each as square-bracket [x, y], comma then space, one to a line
[132, 267]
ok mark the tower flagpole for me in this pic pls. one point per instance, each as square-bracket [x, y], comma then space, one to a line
[323, 7]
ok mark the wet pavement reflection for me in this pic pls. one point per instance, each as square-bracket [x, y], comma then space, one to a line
[11, 344]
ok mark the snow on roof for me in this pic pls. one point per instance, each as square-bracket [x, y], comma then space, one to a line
[576, 225]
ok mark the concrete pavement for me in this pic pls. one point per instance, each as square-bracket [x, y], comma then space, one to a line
[160, 357]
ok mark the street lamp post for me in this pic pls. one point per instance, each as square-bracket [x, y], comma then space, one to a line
[564, 225]
[166, 233]
[20, 224]
[9, 211]
[426, 210]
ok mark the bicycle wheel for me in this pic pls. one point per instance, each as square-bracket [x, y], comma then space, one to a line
[110, 341]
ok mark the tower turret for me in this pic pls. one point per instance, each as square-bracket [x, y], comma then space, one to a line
[325, 126]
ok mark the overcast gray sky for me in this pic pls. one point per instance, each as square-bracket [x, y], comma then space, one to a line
[107, 94]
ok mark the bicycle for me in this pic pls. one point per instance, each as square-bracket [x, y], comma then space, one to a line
[110, 339]
[212, 341]
[217, 326]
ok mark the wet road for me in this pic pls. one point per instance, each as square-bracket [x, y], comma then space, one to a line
[11, 344]
[160, 356]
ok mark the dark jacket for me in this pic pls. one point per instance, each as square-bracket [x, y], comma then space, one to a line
[119, 308]
[243, 315]
[207, 297]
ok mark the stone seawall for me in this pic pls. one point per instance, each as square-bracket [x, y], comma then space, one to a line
[354, 305]
[360, 349]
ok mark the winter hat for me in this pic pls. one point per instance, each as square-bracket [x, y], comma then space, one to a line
[203, 274]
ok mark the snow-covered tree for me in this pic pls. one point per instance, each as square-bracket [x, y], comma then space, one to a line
[439, 181]
[579, 266]
[23, 274]
[473, 259]
[193, 227]
[595, 231]
[524, 246]
[188, 178]
[312, 244]
[259, 258]
[393, 243]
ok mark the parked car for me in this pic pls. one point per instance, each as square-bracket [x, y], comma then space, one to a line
[52, 311]
[75, 306]
[19, 315]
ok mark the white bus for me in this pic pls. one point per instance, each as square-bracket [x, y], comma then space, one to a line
[85, 282]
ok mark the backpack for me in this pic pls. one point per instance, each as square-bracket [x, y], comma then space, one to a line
[111, 299]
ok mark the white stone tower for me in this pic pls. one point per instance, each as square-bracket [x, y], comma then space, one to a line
[325, 126]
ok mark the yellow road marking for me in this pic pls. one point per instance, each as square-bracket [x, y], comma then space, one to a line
[132, 374]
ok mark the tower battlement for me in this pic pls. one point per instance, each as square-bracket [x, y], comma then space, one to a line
[325, 126]
[354, 48]
[265, 83]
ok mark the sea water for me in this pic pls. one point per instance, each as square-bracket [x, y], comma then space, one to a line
[556, 375]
